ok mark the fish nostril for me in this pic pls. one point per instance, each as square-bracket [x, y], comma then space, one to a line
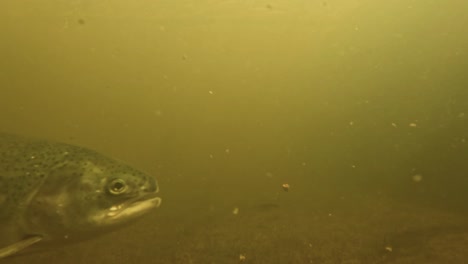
[151, 186]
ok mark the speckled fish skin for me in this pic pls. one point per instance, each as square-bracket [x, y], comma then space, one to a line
[62, 193]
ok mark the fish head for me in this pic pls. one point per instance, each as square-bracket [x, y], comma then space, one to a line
[119, 195]
[81, 199]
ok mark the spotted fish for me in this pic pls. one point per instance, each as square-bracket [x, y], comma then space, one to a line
[53, 193]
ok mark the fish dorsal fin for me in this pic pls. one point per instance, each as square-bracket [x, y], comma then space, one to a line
[18, 246]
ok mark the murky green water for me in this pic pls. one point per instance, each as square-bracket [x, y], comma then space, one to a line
[360, 106]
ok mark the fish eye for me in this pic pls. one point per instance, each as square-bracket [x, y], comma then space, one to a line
[117, 186]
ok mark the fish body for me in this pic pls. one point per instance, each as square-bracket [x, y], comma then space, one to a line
[54, 193]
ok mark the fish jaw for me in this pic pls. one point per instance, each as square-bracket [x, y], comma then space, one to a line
[128, 210]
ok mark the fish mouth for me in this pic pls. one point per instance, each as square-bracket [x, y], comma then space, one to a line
[134, 207]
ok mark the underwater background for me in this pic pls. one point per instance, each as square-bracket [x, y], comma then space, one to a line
[359, 107]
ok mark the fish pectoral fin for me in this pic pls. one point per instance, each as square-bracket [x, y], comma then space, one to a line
[18, 246]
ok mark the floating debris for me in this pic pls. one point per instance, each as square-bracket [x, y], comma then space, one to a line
[242, 257]
[388, 249]
[235, 211]
[417, 178]
[285, 187]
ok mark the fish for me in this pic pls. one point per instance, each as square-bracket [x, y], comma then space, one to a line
[53, 193]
